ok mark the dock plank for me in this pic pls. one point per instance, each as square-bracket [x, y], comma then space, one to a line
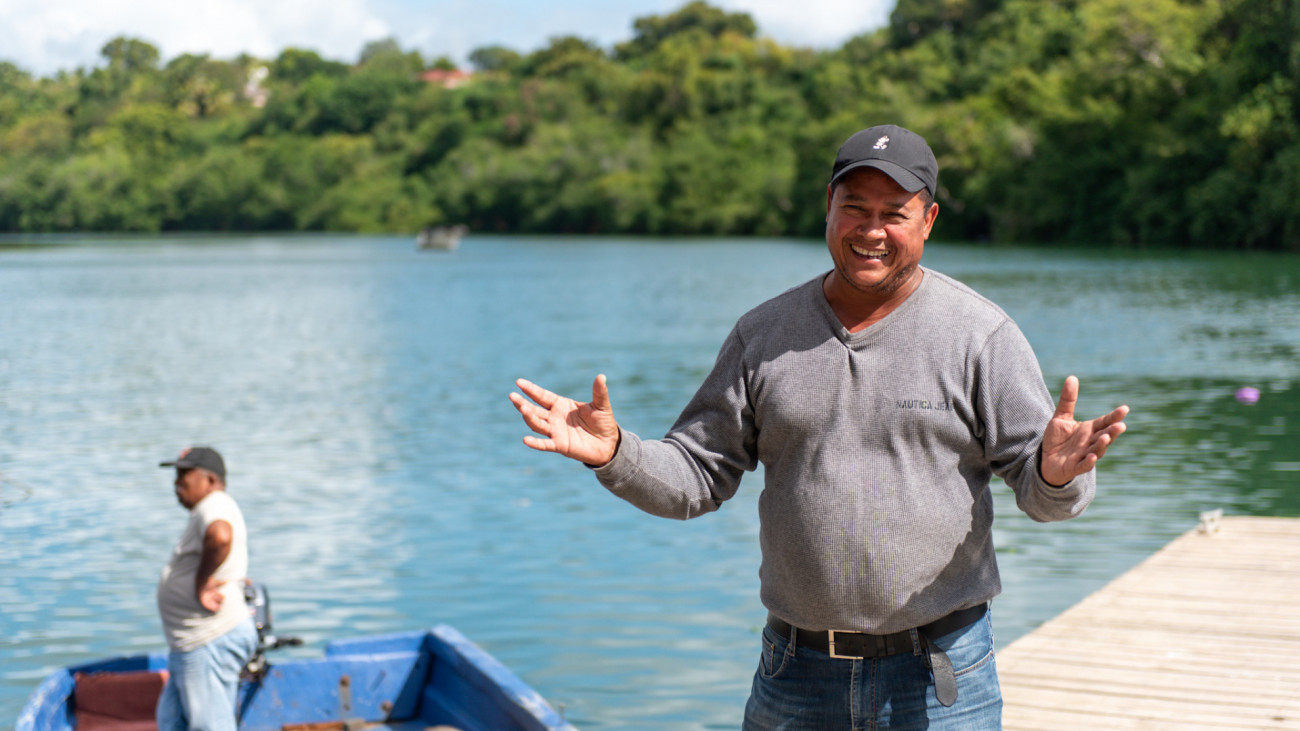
[1204, 634]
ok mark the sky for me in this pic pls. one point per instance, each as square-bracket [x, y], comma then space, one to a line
[43, 37]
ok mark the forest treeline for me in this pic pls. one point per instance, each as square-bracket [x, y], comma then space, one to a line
[1098, 122]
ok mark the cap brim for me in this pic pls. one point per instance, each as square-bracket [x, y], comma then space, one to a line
[901, 175]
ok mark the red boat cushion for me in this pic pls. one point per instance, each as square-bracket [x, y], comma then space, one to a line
[118, 701]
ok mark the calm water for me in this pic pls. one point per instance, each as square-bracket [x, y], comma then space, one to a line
[358, 390]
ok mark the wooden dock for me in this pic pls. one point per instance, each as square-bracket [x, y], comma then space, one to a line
[1204, 634]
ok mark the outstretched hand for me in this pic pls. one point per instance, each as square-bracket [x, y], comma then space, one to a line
[586, 432]
[1071, 448]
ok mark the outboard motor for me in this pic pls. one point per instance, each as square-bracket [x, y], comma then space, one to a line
[259, 605]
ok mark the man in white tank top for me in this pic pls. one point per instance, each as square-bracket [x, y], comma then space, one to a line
[210, 633]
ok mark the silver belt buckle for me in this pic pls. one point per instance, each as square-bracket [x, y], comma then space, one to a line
[830, 642]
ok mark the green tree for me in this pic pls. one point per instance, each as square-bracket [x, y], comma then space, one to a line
[130, 55]
[1248, 183]
[564, 55]
[387, 57]
[296, 65]
[494, 58]
[1167, 122]
[199, 86]
[696, 17]
[913, 20]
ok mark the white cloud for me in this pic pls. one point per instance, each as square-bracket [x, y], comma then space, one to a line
[45, 37]
[814, 23]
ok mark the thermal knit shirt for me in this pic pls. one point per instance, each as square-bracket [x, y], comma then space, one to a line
[877, 450]
[186, 623]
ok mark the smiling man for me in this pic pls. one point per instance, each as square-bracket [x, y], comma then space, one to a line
[210, 633]
[876, 226]
[880, 398]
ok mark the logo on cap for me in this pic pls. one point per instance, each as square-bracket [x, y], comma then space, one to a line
[881, 143]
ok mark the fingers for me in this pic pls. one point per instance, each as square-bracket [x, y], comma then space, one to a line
[544, 398]
[1099, 447]
[1110, 424]
[1102, 440]
[547, 400]
[538, 421]
[541, 445]
[210, 596]
[1069, 397]
[1073, 447]
[600, 393]
[1106, 429]
[535, 418]
[536, 414]
[1114, 418]
[564, 426]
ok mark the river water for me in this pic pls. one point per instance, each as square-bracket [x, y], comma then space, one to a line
[358, 390]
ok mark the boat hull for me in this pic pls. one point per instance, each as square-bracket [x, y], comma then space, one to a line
[432, 678]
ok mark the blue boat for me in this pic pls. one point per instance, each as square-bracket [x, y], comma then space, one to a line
[417, 681]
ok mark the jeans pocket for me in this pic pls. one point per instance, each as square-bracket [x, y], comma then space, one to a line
[776, 654]
[969, 648]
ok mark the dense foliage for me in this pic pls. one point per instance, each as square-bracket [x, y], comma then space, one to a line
[1165, 122]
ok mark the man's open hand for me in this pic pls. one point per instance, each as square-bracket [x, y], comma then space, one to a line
[1071, 448]
[586, 432]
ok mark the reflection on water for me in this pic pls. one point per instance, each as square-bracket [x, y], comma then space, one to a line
[358, 390]
[12, 491]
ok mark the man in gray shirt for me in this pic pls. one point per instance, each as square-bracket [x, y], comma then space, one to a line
[880, 398]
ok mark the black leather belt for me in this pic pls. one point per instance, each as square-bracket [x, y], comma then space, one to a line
[860, 645]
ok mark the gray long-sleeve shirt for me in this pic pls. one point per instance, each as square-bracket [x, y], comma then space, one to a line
[877, 449]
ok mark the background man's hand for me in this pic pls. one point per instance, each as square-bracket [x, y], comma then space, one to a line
[210, 595]
[1071, 448]
[586, 432]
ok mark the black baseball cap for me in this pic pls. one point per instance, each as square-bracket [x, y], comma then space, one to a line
[899, 153]
[204, 457]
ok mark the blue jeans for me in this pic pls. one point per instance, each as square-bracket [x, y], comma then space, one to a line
[201, 693]
[799, 689]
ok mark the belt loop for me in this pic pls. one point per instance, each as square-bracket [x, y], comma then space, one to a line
[916, 641]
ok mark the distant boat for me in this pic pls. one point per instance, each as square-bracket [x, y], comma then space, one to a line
[444, 238]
